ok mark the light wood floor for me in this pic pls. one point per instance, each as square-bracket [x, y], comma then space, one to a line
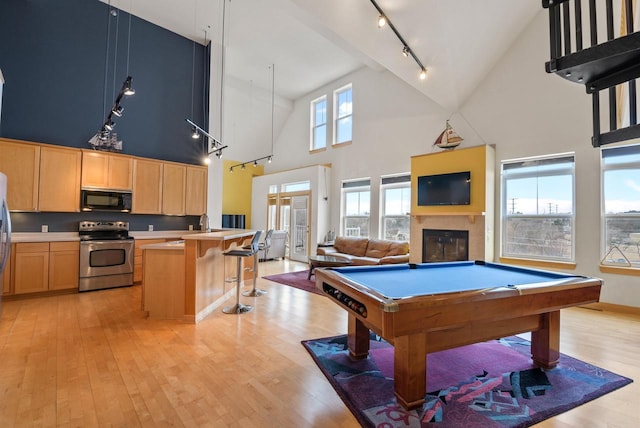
[92, 359]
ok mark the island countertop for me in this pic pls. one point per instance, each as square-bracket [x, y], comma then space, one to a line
[219, 235]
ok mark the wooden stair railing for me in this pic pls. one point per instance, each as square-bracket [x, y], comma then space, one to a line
[600, 66]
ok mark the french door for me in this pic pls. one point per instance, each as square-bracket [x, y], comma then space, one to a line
[290, 212]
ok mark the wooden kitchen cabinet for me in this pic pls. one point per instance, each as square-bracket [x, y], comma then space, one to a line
[147, 186]
[64, 262]
[59, 184]
[196, 190]
[173, 188]
[20, 162]
[44, 266]
[31, 267]
[137, 256]
[106, 171]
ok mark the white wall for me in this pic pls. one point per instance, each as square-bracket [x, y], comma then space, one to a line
[317, 176]
[526, 112]
[519, 108]
[391, 123]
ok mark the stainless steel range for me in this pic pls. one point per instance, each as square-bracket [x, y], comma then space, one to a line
[106, 255]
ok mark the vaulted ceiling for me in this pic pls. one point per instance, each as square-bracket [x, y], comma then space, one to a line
[312, 42]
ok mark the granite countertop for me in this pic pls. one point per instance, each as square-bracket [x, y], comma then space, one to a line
[219, 235]
[17, 237]
[172, 245]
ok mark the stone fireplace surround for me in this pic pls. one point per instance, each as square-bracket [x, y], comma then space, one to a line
[479, 236]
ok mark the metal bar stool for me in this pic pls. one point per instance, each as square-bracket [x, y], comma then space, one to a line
[262, 247]
[239, 253]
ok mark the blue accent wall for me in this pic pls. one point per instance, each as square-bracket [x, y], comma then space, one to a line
[63, 74]
[53, 55]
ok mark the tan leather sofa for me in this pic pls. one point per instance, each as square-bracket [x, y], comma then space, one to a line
[363, 251]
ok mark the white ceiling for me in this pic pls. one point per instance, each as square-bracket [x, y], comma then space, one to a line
[313, 42]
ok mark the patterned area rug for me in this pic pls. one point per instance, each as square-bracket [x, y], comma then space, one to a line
[296, 280]
[490, 384]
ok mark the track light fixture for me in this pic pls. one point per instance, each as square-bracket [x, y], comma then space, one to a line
[127, 88]
[213, 145]
[117, 110]
[254, 162]
[406, 50]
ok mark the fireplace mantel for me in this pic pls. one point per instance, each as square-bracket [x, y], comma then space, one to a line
[471, 216]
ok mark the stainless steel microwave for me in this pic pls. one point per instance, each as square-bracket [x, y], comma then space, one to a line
[105, 200]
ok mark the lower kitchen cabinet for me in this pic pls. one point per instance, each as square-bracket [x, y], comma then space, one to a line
[64, 261]
[137, 256]
[44, 266]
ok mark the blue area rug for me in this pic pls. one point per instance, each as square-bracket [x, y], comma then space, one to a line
[490, 384]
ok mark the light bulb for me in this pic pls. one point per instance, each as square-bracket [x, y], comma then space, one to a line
[195, 135]
[382, 20]
[423, 74]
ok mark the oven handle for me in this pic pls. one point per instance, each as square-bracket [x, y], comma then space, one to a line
[110, 241]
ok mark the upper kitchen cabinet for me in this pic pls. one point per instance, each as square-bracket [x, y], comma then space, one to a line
[196, 190]
[20, 162]
[173, 188]
[59, 185]
[147, 186]
[107, 171]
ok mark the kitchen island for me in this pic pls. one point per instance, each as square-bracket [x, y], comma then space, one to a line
[190, 274]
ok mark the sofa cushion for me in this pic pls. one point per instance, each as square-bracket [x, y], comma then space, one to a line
[398, 248]
[355, 246]
[377, 248]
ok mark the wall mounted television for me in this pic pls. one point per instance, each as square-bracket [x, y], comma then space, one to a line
[445, 189]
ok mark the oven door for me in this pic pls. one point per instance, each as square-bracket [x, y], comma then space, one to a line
[101, 258]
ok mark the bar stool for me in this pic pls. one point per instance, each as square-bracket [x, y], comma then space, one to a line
[262, 247]
[239, 253]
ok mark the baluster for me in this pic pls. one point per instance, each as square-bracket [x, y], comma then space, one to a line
[593, 23]
[567, 28]
[578, 14]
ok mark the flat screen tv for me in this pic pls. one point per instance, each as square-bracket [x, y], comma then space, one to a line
[445, 189]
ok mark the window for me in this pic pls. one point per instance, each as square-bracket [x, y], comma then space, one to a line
[319, 123]
[343, 108]
[621, 203]
[296, 187]
[537, 208]
[396, 207]
[356, 208]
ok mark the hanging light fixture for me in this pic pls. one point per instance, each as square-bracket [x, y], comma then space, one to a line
[269, 157]
[103, 139]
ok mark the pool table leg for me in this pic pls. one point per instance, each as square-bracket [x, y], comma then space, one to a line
[545, 343]
[410, 369]
[358, 338]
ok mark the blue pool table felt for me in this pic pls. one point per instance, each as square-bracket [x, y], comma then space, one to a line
[401, 281]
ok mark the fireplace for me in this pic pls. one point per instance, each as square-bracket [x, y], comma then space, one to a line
[444, 245]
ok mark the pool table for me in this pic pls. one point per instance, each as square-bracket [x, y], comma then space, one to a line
[429, 307]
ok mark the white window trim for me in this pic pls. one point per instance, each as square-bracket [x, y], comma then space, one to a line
[505, 204]
[343, 203]
[383, 188]
[336, 111]
[314, 126]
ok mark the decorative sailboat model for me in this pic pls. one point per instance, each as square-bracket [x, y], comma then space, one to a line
[448, 139]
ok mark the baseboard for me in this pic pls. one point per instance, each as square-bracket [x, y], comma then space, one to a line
[611, 307]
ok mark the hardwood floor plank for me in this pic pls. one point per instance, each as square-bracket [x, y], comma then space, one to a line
[93, 359]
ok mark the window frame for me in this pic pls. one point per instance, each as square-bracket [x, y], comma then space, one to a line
[354, 186]
[313, 144]
[396, 181]
[624, 248]
[504, 209]
[337, 118]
